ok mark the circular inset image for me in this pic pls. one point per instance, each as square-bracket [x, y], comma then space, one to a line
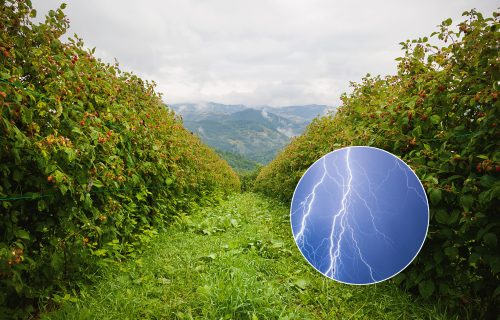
[359, 215]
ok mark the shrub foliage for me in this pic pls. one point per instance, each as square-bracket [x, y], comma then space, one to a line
[91, 161]
[439, 114]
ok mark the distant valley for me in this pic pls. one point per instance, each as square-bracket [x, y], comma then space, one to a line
[256, 133]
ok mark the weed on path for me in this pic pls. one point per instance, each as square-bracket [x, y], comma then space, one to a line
[237, 260]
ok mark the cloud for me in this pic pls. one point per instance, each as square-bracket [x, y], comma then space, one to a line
[288, 132]
[201, 131]
[264, 52]
[265, 114]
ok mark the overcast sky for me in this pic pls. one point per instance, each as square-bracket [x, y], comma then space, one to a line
[260, 52]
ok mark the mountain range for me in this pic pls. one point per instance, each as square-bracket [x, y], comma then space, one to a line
[256, 133]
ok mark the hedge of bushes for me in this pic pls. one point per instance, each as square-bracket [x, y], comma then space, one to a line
[439, 114]
[91, 161]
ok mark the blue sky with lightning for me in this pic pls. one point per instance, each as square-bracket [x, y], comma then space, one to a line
[359, 215]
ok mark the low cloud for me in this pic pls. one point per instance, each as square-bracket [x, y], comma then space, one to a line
[287, 132]
[265, 114]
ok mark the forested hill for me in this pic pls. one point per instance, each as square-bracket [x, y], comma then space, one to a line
[239, 163]
[256, 133]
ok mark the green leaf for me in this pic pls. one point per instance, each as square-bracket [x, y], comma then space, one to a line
[63, 189]
[441, 216]
[487, 181]
[438, 256]
[444, 288]
[453, 217]
[426, 288]
[435, 119]
[301, 283]
[97, 183]
[22, 234]
[496, 292]
[473, 258]
[494, 262]
[94, 135]
[27, 115]
[42, 205]
[435, 195]
[451, 252]
[484, 230]
[205, 290]
[447, 22]
[234, 223]
[466, 201]
[17, 175]
[100, 252]
[59, 176]
[490, 239]
[76, 130]
[210, 257]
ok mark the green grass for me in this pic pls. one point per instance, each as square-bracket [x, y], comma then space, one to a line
[234, 261]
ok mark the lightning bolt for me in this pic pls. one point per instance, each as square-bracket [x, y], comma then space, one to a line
[419, 194]
[306, 208]
[342, 242]
[341, 214]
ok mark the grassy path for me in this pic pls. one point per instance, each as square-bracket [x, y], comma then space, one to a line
[234, 261]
